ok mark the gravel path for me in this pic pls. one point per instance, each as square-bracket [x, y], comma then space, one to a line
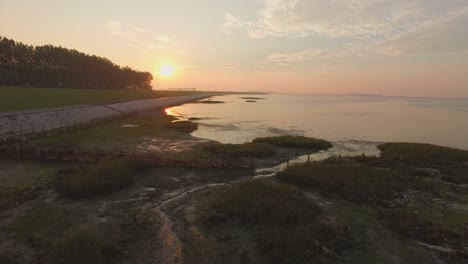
[13, 124]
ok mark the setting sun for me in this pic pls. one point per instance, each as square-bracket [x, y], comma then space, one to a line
[166, 70]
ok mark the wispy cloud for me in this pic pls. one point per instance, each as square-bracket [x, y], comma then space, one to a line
[114, 27]
[364, 27]
[139, 30]
[341, 18]
[163, 39]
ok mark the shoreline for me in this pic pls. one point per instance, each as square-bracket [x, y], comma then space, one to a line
[21, 123]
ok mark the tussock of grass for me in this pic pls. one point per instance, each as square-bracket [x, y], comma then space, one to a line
[184, 126]
[296, 142]
[83, 246]
[435, 226]
[450, 162]
[96, 179]
[354, 182]
[257, 150]
[289, 226]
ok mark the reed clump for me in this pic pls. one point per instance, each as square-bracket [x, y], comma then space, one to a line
[103, 177]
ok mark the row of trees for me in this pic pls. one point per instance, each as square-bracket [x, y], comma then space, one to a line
[57, 67]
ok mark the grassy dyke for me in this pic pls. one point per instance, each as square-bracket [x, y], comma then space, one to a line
[104, 177]
[296, 142]
[257, 150]
[289, 227]
[17, 98]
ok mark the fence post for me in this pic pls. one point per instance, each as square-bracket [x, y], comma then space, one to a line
[308, 158]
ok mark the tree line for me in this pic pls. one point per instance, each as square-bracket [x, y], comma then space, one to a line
[58, 67]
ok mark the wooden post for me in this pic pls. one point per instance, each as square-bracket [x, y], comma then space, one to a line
[287, 164]
[308, 158]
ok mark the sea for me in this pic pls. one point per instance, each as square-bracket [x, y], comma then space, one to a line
[350, 119]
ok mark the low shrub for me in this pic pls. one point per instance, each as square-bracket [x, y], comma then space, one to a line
[296, 142]
[96, 179]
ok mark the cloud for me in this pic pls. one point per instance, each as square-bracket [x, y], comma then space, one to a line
[114, 27]
[364, 27]
[342, 18]
[309, 54]
[163, 39]
[139, 30]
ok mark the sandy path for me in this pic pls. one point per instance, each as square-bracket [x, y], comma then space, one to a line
[14, 124]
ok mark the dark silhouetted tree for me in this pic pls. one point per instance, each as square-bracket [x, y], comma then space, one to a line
[57, 67]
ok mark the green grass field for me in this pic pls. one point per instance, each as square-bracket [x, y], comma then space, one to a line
[16, 98]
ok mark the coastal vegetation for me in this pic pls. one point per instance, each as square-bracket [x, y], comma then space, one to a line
[257, 150]
[288, 226]
[58, 67]
[296, 142]
[409, 185]
[84, 246]
[87, 181]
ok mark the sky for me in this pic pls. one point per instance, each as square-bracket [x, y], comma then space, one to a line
[385, 47]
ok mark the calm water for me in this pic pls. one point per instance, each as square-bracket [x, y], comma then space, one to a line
[336, 118]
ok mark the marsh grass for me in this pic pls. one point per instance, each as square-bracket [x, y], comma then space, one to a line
[289, 227]
[431, 225]
[349, 181]
[296, 142]
[353, 182]
[84, 246]
[257, 150]
[92, 180]
[449, 161]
